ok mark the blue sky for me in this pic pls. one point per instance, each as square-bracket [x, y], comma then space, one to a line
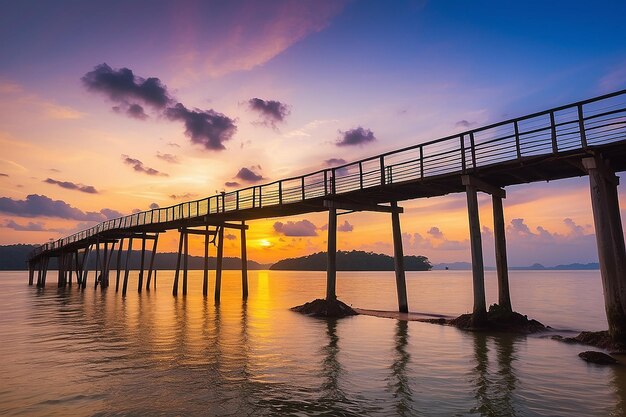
[409, 71]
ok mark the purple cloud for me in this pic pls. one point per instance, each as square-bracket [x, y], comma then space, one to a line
[2, 174]
[89, 189]
[271, 111]
[185, 196]
[40, 205]
[232, 184]
[205, 127]
[29, 227]
[358, 136]
[168, 157]
[122, 86]
[298, 228]
[140, 167]
[247, 175]
[332, 162]
[154, 206]
[345, 227]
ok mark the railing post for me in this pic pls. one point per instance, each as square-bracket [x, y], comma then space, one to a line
[462, 142]
[473, 150]
[581, 126]
[260, 196]
[253, 196]
[421, 162]
[325, 182]
[382, 170]
[237, 200]
[333, 183]
[303, 193]
[361, 175]
[555, 145]
[280, 192]
[518, 146]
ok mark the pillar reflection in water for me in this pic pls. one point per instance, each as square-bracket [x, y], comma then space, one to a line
[331, 368]
[494, 386]
[398, 382]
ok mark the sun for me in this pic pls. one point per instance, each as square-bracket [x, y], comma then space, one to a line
[264, 243]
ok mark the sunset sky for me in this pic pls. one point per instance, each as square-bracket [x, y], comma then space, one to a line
[111, 107]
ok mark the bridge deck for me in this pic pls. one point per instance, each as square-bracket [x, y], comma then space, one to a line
[543, 146]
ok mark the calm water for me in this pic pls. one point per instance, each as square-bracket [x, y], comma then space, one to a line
[71, 352]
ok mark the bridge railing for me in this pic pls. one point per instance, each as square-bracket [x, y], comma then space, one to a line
[580, 125]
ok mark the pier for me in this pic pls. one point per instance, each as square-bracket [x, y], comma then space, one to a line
[586, 138]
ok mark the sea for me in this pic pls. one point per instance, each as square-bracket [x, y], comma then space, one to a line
[73, 352]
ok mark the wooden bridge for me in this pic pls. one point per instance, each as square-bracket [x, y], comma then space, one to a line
[583, 138]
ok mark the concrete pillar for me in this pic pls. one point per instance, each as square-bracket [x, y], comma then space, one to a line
[331, 268]
[244, 261]
[499, 234]
[177, 273]
[398, 260]
[151, 267]
[104, 280]
[610, 240]
[98, 272]
[185, 263]
[85, 267]
[31, 273]
[479, 314]
[129, 252]
[119, 265]
[141, 267]
[60, 270]
[205, 278]
[218, 268]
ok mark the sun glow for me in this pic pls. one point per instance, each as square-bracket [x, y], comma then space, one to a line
[264, 243]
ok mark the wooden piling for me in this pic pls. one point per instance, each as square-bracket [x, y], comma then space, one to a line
[151, 266]
[331, 269]
[244, 261]
[398, 259]
[499, 234]
[85, 266]
[97, 269]
[141, 267]
[45, 271]
[205, 278]
[479, 315]
[31, 272]
[610, 240]
[177, 273]
[119, 265]
[218, 267]
[185, 263]
[60, 270]
[129, 252]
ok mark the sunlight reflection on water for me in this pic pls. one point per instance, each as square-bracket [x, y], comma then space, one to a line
[71, 352]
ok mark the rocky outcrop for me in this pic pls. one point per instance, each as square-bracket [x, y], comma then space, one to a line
[325, 308]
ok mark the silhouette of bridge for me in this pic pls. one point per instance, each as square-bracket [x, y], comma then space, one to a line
[582, 138]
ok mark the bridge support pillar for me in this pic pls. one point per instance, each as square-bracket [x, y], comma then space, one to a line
[610, 240]
[98, 269]
[118, 268]
[45, 271]
[129, 252]
[244, 262]
[499, 234]
[177, 273]
[205, 276]
[331, 268]
[398, 259]
[141, 267]
[219, 262]
[85, 267]
[31, 273]
[479, 314]
[151, 266]
[185, 263]
[60, 271]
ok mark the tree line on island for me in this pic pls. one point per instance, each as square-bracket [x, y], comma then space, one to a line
[14, 258]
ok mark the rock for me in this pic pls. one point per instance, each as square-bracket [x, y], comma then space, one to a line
[325, 308]
[597, 357]
[599, 339]
[501, 320]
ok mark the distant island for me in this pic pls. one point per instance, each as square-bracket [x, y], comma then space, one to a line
[351, 261]
[13, 258]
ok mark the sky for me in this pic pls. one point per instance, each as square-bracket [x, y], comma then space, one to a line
[109, 108]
